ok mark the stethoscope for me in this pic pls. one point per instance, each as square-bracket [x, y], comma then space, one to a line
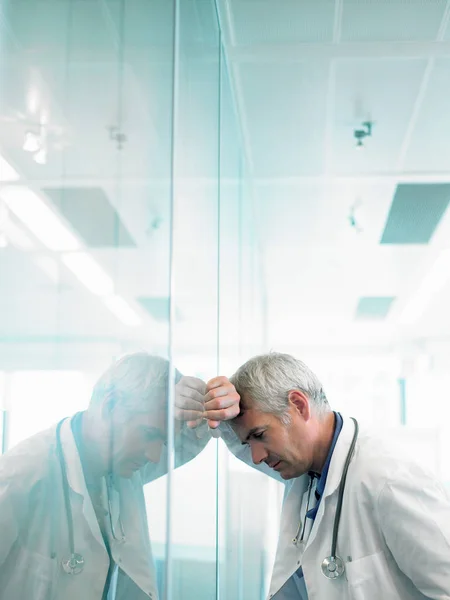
[333, 566]
[74, 565]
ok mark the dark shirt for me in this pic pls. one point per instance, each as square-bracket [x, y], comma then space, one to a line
[320, 487]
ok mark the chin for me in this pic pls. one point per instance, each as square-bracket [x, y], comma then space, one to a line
[291, 474]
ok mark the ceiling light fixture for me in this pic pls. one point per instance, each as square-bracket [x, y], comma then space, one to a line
[41, 156]
[31, 142]
[39, 218]
[7, 173]
[122, 310]
[89, 272]
[17, 236]
[49, 265]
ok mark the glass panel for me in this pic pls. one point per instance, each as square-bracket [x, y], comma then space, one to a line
[86, 92]
[195, 292]
[247, 531]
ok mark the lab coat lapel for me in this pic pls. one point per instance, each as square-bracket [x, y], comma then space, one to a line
[335, 471]
[114, 499]
[75, 478]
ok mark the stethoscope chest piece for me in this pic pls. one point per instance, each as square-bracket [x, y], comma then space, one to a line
[333, 567]
[73, 565]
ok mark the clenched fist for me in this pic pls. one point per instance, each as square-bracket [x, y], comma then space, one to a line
[221, 401]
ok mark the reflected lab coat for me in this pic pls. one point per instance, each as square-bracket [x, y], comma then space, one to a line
[34, 532]
[394, 533]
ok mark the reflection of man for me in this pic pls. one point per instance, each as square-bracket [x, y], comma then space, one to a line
[72, 511]
[393, 538]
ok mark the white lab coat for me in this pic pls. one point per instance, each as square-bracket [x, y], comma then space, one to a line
[33, 523]
[394, 533]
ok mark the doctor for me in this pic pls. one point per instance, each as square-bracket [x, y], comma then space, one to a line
[360, 519]
[72, 510]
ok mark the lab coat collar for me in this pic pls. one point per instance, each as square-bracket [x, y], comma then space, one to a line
[335, 471]
[75, 478]
[339, 457]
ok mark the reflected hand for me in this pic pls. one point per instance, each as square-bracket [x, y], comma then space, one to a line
[189, 400]
[221, 401]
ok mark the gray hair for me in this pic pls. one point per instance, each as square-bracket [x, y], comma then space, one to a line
[137, 382]
[265, 382]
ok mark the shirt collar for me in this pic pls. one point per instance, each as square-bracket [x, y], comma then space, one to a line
[320, 487]
[323, 476]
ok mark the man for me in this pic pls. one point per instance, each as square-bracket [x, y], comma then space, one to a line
[72, 511]
[393, 534]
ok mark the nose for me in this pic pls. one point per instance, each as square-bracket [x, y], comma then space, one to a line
[153, 452]
[259, 453]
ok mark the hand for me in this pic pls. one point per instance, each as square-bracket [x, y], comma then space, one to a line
[221, 401]
[189, 400]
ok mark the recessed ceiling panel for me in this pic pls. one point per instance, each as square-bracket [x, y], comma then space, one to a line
[373, 308]
[415, 213]
[91, 214]
[158, 308]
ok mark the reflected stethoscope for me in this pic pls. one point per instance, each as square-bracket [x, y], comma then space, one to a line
[333, 566]
[75, 564]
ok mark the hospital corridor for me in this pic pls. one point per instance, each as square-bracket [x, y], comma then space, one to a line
[224, 300]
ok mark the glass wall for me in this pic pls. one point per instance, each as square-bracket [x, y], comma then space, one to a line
[179, 178]
[127, 225]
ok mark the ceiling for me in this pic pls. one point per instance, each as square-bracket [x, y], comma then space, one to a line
[298, 239]
[305, 75]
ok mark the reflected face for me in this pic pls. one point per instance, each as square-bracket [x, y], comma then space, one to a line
[287, 449]
[137, 441]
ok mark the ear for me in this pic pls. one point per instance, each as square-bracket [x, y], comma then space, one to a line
[300, 402]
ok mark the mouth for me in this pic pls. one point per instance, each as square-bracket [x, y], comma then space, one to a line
[275, 465]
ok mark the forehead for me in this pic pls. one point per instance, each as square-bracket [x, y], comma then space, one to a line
[250, 419]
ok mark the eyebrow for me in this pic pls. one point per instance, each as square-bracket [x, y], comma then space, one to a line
[252, 432]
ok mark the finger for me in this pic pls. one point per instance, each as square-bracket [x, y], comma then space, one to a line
[191, 393]
[213, 424]
[224, 390]
[194, 424]
[224, 414]
[214, 431]
[217, 382]
[186, 402]
[223, 402]
[188, 415]
[193, 382]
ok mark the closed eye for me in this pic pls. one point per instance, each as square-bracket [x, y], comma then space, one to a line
[255, 434]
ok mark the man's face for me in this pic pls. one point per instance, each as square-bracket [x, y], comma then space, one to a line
[287, 449]
[138, 440]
